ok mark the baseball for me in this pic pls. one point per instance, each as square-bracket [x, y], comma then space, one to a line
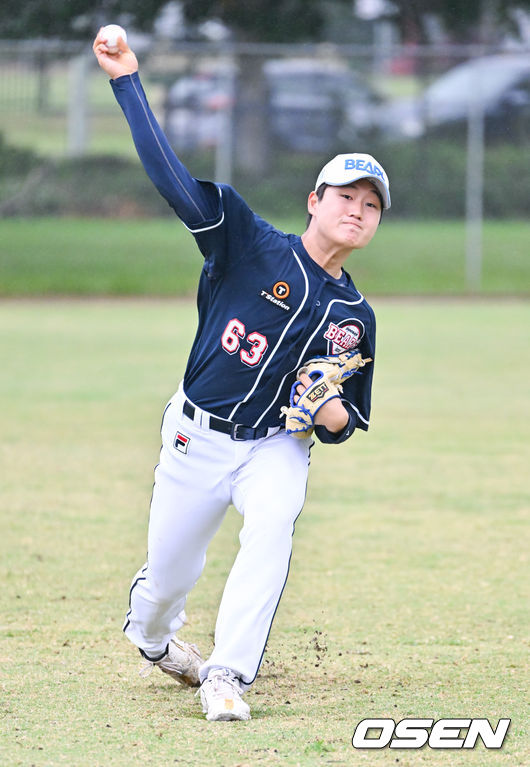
[110, 35]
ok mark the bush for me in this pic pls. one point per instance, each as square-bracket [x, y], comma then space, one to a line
[428, 180]
[95, 186]
[14, 161]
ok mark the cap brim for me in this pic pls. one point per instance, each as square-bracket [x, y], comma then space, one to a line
[379, 185]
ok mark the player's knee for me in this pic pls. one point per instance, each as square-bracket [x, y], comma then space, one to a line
[271, 529]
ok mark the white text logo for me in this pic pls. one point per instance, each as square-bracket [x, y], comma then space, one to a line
[415, 733]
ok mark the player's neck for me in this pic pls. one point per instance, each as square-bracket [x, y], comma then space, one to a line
[331, 259]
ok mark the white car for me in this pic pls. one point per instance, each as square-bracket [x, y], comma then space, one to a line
[499, 85]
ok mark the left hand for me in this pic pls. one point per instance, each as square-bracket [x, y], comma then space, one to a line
[333, 415]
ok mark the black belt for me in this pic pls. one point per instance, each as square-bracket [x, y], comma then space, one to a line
[236, 430]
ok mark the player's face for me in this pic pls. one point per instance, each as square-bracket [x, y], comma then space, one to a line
[347, 216]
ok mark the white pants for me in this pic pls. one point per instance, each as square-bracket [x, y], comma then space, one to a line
[201, 472]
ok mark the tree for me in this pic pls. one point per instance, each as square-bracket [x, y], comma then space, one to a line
[259, 21]
[465, 21]
[72, 19]
[274, 20]
[253, 20]
[267, 21]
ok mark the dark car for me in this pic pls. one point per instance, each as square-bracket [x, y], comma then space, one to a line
[311, 104]
[314, 104]
[496, 86]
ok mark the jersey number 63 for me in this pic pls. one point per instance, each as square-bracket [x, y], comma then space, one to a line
[234, 334]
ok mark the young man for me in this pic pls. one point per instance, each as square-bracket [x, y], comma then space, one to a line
[267, 301]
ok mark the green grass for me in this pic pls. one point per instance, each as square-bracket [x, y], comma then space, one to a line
[407, 594]
[158, 256]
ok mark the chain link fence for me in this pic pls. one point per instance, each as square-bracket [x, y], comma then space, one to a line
[266, 117]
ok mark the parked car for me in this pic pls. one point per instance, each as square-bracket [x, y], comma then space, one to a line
[314, 104]
[195, 106]
[499, 85]
[311, 104]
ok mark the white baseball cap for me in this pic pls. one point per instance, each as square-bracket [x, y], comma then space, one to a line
[344, 169]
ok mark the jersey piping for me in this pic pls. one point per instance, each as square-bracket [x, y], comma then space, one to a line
[286, 328]
[206, 210]
[302, 356]
[213, 226]
[161, 148]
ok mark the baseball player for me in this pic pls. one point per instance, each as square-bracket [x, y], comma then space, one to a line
[267, 302]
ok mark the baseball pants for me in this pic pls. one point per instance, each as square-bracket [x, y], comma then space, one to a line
[201, 472]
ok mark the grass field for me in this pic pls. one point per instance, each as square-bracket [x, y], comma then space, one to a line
[158, 256]
[407, 594]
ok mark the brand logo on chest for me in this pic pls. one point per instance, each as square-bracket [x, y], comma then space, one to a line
[280, 291]
[346, 335]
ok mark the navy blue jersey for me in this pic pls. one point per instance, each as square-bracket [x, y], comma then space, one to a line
[265, 306]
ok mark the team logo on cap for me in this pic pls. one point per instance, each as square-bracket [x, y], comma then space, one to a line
[365, 165]
[346, 335]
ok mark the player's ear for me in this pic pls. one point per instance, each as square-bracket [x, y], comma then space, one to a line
[312, 202]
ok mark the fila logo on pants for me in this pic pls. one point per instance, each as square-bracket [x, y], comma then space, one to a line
[181, 442]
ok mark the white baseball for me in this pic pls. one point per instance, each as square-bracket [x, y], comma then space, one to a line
[110, 35]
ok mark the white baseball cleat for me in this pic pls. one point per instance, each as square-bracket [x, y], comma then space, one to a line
[182, 662]
[221, 697]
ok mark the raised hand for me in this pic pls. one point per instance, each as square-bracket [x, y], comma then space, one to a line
[124, 62]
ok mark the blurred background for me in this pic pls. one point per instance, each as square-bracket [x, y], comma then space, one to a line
[261, 94]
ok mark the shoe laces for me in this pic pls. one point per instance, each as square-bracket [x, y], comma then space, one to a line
[149, 665]
[166, 663]
[146, 669]
[224, 682]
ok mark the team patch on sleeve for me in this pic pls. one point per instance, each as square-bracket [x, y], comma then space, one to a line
[181, 442]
